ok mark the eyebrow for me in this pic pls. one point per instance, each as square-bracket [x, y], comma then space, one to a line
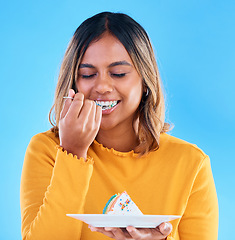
[87, 65]
[119, 63]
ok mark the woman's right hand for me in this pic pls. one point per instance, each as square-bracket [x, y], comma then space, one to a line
[79, 124]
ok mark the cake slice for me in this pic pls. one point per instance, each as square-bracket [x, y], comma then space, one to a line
[121, 204]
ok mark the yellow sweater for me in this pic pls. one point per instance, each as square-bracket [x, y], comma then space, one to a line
[174, 180]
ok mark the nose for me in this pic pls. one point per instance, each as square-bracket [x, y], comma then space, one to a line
[103, 84]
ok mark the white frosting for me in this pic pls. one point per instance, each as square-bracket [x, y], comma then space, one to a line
[124, 205]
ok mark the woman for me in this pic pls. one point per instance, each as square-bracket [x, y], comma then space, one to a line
[109, 136]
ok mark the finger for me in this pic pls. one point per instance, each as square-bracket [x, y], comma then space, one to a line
[136, 234]
[165, 228]
[71, 93]
[94, 117]
[97, 111]
[98, 115]
[87, 113]
[76, 105]
[117, 233]
[101, 230]
[93, 111]
[67, 104]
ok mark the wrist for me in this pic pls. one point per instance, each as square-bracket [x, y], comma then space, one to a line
[80, 153]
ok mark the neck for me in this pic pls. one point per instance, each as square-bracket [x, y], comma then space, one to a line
[122, 140]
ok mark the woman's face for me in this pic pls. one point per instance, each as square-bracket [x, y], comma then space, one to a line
[108, 76]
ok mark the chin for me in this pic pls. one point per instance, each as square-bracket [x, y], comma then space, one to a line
[108, 124]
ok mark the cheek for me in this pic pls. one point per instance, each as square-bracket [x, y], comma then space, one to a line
[133, 97]
[83, 87]
[135, 92]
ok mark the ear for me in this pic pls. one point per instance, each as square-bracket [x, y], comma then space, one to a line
[145, 88]
[147, 92]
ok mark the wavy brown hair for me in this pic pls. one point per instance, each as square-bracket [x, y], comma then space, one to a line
[151, 112]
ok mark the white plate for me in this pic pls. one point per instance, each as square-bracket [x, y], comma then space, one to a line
[138, 221]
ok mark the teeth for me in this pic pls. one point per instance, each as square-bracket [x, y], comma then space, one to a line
[107, 104]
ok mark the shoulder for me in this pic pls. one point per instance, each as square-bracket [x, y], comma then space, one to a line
[43, 142]
[47, 137]
[178, 145]
[42, 149]
[181, 152]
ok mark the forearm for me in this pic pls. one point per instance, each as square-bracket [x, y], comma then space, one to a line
[200, 219]
[66, 193]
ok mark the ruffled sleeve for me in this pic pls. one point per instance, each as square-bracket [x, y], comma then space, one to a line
[53, 184]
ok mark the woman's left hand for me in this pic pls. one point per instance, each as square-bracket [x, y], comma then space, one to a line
[159, 233]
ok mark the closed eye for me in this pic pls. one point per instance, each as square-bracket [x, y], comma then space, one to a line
[88, 76]
[118, 75]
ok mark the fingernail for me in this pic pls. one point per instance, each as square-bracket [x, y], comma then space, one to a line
[166, 226]
[129, 229]
[108, 228]
[71, 91]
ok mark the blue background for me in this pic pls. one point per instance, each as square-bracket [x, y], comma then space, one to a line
[194, 43]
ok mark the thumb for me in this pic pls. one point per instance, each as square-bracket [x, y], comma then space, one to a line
[71, 92]
[67, 104]
[165, 228]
